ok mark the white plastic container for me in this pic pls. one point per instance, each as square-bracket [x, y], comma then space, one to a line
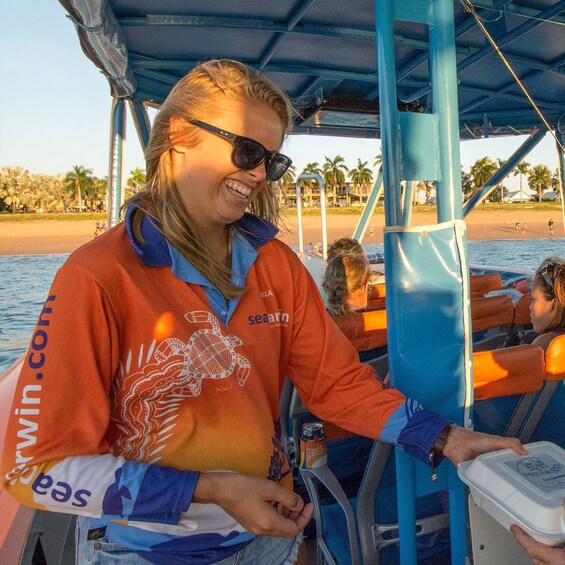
[527, 491]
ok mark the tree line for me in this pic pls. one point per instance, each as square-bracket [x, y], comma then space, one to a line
[334, 171]
[77, 190]
[80, 190]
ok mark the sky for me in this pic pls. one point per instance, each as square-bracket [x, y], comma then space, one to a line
[55, 106]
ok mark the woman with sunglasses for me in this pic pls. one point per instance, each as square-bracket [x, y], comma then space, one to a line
[547, 309]
[149, 400]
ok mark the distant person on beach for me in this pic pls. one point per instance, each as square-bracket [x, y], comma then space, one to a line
[97, 228]
[148, 401]
[517, 226]
[346, 284]
[547, 309]
[550, 226]
[524, 228]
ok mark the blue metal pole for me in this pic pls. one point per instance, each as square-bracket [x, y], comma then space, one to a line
[361, 228]
[391, 152]
[406, 500]
[443, 74]
[390, 142]
[443, 71]
[116, 173]
[141, 122]
[560, 143]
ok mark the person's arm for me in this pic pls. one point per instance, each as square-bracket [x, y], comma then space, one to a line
[335, 386]
[56, 452]
[462, 444]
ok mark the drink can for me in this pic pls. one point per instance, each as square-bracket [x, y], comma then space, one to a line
[313, 445]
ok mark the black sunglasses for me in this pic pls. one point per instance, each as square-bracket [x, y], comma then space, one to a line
[248, 154]
[549, 273]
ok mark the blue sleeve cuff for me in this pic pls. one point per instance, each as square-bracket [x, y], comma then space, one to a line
[417, 437]
[149, 493]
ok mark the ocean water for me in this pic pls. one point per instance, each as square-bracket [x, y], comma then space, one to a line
[25, 282]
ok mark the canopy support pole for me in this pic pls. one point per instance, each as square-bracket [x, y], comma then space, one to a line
[560, 135]
[372, 200]
[116, 167]
[427, 271]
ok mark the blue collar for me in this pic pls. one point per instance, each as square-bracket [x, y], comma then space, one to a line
[154, 251]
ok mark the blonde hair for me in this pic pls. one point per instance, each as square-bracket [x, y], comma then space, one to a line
[344, 246]
[196, 95]
[344, 275]
[553, 292]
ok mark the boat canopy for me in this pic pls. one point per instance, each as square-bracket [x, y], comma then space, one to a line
[323, 53]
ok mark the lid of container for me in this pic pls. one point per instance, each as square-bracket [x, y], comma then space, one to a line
[530, 488]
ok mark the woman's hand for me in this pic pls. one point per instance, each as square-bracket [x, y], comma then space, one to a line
[463, 445]
[259, 505]
[540, 553]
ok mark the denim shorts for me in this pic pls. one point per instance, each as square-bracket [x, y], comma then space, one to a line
[101, 551]
[263, 549]
[272, 550]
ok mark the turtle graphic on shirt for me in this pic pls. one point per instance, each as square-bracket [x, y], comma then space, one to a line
[178, 373]
[207, 355]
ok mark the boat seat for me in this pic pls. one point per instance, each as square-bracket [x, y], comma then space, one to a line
[367, 522]
[365, 330]
[509, 371]
[522, 311]
[492, 319]
[377, 297]
[547, 424]
[522, 331]
[506, 382]
[482, 284]
[377, 290]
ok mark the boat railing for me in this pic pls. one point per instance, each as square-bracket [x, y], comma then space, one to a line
[322, 186]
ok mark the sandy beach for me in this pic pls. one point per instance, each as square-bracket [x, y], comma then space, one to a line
[57, 236]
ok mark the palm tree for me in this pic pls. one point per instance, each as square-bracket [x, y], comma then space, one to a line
[500, 191]
[555, 181]
[482, 170]
[56, 187]
[467, 184]
[100, 193]
[15, 183]
[310, 169]
[334, 174]
[539, 179]
[288, 180]
[521, 169]
[136, 180]
[79, 180]
[378, 161]
[361, 177]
